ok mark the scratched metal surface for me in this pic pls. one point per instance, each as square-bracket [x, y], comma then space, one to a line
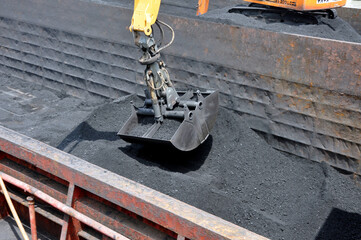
[303, 96]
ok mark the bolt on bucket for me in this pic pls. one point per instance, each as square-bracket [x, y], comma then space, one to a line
[184, 127]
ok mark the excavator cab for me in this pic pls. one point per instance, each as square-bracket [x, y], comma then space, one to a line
[182, 119]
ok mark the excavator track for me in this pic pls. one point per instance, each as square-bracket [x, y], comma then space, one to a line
[274, 14]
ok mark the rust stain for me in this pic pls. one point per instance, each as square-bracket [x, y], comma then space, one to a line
[206, 51]
[234, 38]
[308, 105]
[287, 59]
[339, 114]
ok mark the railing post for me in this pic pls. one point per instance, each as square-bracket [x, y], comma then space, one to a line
[34, 235]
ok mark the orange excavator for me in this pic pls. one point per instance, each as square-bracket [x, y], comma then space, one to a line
[316, 7]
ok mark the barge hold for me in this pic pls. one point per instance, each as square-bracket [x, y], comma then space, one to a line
[68, 73]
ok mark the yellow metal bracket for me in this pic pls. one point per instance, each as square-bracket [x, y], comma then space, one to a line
[144, 16]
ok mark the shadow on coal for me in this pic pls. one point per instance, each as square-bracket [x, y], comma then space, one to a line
[341, 225]
[169, 158]
[161, 156]
[85, 132]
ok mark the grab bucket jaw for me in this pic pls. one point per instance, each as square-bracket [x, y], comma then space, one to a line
[198, 118]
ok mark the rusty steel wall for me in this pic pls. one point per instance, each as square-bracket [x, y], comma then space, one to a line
[303, 96]
[352, 16]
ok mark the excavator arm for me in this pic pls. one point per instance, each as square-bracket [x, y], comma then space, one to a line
[144, 16]
[146, 13]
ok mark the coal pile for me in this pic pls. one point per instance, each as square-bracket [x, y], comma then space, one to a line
[40, 112]
[336, 29]
[234, 175]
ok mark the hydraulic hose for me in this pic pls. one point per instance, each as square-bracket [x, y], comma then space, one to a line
[171, 41]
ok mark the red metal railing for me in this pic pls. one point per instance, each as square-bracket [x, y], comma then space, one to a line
[60, 206]
[78, 200]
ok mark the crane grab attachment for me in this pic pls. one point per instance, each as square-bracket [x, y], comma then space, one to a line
[182, 119]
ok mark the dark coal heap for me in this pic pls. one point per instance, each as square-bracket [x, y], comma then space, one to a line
[235, 175]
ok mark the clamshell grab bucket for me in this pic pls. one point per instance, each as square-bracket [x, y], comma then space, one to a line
[185, 127]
